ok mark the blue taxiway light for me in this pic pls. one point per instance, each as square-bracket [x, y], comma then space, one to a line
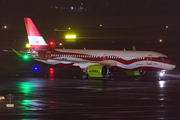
[35, 68]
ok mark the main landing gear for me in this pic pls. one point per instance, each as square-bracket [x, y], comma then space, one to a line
[86, 76]
[110, 75]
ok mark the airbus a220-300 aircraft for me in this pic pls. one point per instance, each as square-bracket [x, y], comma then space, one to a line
[95, 63]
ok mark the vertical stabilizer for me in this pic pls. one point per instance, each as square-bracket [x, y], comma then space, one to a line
[34, 37]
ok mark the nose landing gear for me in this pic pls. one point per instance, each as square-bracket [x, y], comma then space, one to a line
[161, 74]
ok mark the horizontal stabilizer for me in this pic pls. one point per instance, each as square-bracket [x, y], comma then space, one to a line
[8, 51]
[18, 53]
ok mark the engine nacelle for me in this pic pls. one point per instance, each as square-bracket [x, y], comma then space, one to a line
[98, 71]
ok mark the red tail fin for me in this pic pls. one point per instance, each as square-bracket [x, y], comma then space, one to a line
[34, 37]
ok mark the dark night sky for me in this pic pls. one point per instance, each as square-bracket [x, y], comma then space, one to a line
[106, 7]
[143, 20]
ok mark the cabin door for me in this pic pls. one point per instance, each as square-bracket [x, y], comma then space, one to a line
[149, 60]
[104, 57]
[48, 53]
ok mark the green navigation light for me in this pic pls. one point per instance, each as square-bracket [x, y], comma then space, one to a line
[26, 56]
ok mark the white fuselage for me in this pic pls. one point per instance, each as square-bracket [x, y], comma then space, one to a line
[127, 60]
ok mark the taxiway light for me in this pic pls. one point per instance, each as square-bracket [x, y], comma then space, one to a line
[5, 27]
[28, 45]
[35, 68]
[70, 36]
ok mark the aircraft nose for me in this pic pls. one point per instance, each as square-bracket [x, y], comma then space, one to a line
[172, 66]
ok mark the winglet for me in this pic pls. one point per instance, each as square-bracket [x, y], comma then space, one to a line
[19, 54]
[134, 48]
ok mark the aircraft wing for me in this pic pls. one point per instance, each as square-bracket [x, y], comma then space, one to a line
[58, 60]
[72, 61]
[8, 50]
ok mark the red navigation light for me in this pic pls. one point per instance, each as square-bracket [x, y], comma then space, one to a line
[52, 43]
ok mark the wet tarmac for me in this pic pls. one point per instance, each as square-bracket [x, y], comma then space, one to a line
[54, 97]
[60, 93]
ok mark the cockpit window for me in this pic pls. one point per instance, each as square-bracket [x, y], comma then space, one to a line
[162, 58]
[165, 58]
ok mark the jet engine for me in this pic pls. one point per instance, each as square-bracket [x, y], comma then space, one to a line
[98, 71]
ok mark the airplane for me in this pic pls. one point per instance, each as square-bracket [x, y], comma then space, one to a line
[94, 63]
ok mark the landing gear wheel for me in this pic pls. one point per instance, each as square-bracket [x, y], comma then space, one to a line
[141, 72]
[110, 75]
[86, 76]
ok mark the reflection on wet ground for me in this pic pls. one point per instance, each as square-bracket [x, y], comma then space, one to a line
[59, 98]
